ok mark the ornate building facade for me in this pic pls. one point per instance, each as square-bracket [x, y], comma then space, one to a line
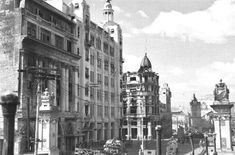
[56, 46]
[140, 103]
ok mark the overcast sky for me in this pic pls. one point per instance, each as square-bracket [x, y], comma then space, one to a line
[190, 43]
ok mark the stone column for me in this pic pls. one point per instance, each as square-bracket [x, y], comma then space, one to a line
[9, 103]
[149, 130]
[158, 129]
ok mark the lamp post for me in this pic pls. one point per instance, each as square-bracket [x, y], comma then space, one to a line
[158, 129]
[9, 103]
[191, 142]
[214, 136]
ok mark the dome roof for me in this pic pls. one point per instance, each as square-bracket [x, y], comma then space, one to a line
[107, 5]
[145, 64]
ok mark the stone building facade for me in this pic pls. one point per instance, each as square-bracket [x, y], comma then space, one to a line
[140, 103]
[39, 39]
[195, 117]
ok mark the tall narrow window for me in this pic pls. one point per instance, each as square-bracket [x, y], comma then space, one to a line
[69, 46]
[45, 36]
[31, 29]
[59, 42]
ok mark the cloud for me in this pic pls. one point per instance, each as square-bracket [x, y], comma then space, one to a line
[213, 25]
[142, 14]
[132, 63]
[127, 14]
[117, 9]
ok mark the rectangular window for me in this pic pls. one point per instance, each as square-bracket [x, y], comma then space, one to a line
[106, 65]
[86, 73]
[92, 93]
[99, 63]
[99, 95]
[31, 29]
[86, 110]
[111, 51]
[92, 62]
[98, 43]
[87, 55]
[92, 76]
[45, 36]
[86, 91]
[106, 96]
[99, 79]
[112, 68]
[106, 111]
[59, 42]
[105, 48]
[112, 97]
[69, 46]
[132, 78]
[92, 40]
[112, 83]
[112, 112]
[78, 32]
[106, 81]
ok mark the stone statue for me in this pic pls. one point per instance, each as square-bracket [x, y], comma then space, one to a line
[221, 92]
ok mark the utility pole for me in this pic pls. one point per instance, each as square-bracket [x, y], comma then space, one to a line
[40, 74]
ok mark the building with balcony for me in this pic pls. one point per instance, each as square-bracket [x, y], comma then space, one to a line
[140, 102]
[56, 46]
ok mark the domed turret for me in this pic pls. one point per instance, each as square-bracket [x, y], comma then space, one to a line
[145, 64]
[108, 11]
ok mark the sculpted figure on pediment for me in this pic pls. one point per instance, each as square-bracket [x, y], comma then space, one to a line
[221, 92]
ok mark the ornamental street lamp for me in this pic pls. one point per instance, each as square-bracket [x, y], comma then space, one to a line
[9, 103]
[158, 129]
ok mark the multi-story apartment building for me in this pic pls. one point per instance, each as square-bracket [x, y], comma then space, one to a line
[45, 38]
[140, 103]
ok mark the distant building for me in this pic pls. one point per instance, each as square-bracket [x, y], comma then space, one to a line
[165, 110]
[179, 120]
[53, 38]
[140, 102]
[199, 121]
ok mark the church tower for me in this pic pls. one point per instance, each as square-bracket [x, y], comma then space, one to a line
[195, 112]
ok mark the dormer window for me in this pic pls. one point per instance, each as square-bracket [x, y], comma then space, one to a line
[76, 6]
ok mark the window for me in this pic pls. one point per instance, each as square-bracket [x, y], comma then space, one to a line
[133, 109]
[78, 51]
[99, 95]
[70, 86]
[45, 36]
[87, 54]
[59, 42]
[92, 62]
[99, 79]
[99, 63]
[78, 32]
[106, 111]
[132, 78]
[105, 48]
[98, 43]
[87, 90]
[92, 40]
[92, 76]
[112, 83]
[86, 73]
[86, 110]
[106, 96]
[31, 29]
[112, 68]
[112, 97]
[99, 110]
[106, 65]
[69, 46]
[112, 112]
[106, 81]
[112, 51]
[92, 93]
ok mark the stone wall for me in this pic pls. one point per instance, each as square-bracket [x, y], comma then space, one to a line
[9, 49]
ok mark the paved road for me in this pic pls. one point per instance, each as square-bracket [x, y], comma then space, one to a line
[184, 149]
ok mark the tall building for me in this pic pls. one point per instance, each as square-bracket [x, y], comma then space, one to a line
[140, 102]
[165, 110]
[195, 117]
[57, 46]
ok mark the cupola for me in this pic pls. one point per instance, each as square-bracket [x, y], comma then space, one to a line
[108, 11]
[145, 64]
